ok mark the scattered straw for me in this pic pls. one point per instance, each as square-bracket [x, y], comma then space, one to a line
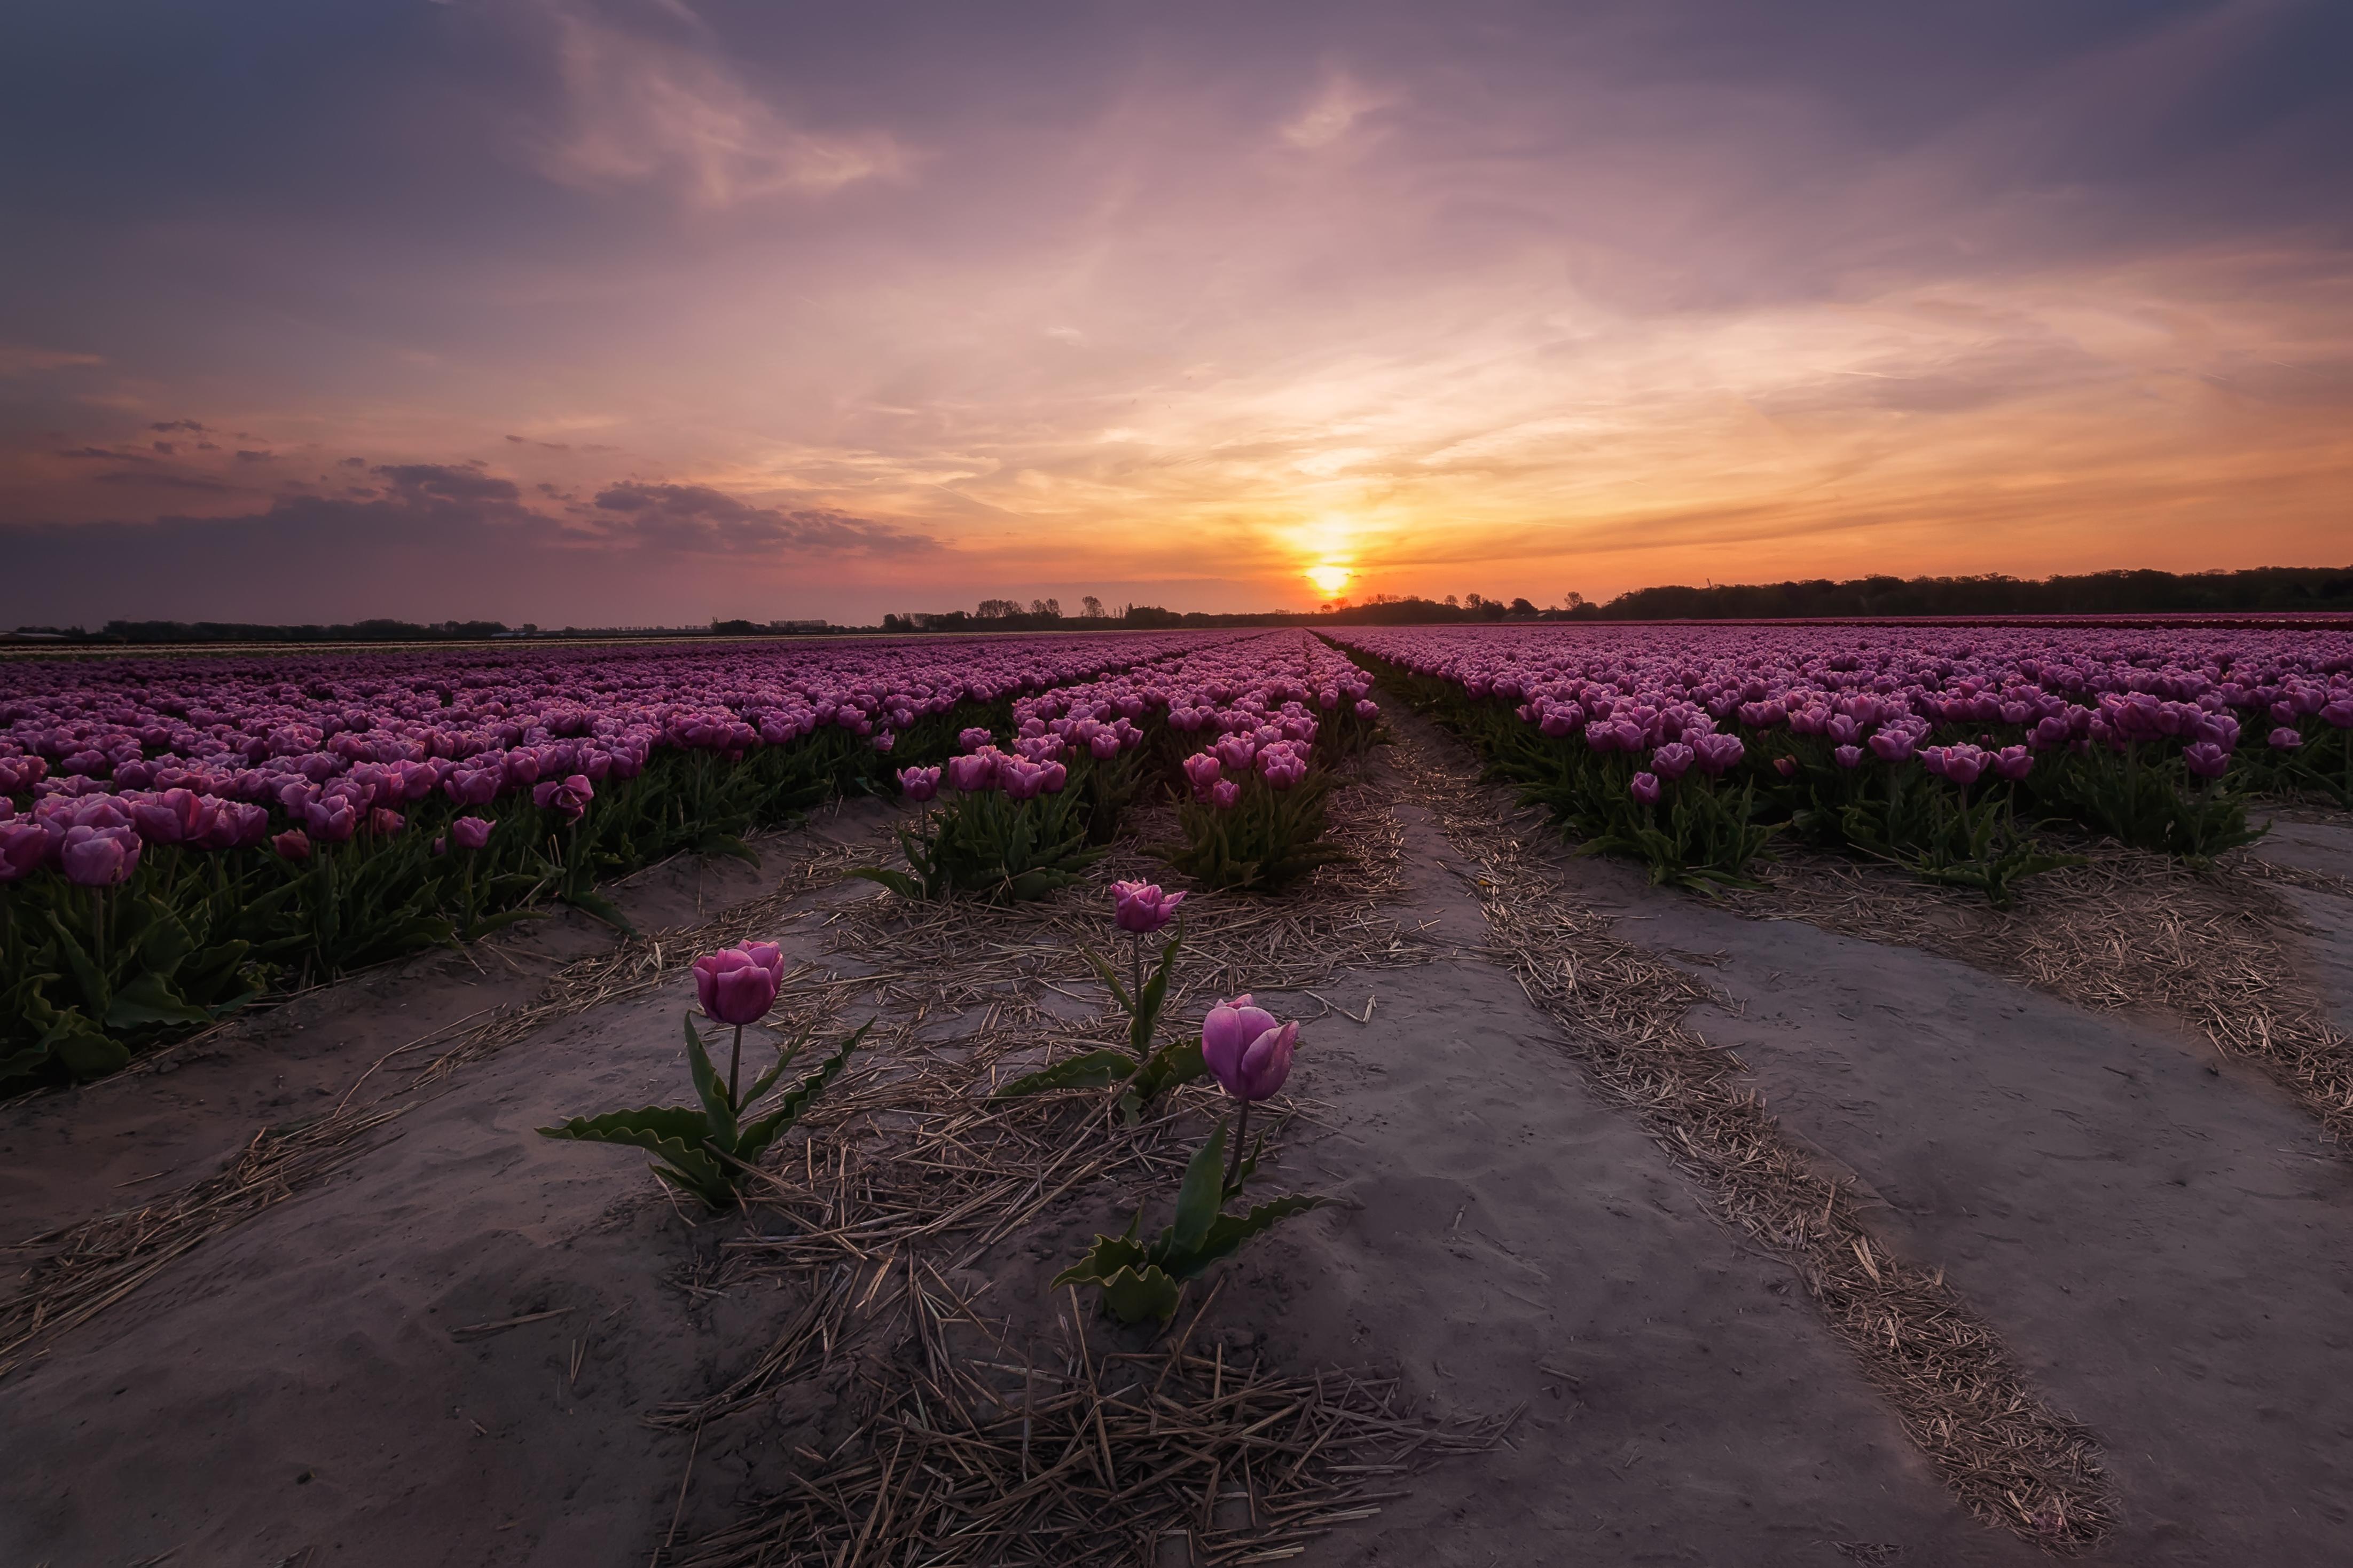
[2013, 1460]
[1101, 1457]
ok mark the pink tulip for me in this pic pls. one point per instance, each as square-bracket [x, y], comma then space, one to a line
[1644, 788]
[175, 816]
[1202, 771]
[470, 832]
[919, 785]
[569, 796]
[331, 821]
[972, 739]
[1964, 764]
[1021, 780]
[100, 856]
[738, 985]
[974, 774]
[1142, 907]
[24, 846]
[2013, 763]
[2206, 760]
[383, 822]
[1224, 793]
[1246, 1050]
[293, 844]
[2286, 739]
[1673, 761]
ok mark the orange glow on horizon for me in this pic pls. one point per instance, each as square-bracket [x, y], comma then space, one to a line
[1329, 579]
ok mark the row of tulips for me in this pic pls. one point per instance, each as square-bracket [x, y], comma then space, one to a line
[1268, 715]
[711, 1150]
[181, 837]
[1945, 748]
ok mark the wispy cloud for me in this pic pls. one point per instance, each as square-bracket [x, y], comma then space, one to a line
[637, 110]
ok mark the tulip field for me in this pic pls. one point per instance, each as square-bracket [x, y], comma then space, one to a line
[988, 1118]
[1696, 748]
[182, 836]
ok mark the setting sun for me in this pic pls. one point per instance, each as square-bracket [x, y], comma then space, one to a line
[1329, 579]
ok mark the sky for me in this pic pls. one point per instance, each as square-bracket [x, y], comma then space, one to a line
[648, 311]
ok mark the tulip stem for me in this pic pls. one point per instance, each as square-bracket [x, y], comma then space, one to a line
[1241, 1136]
[735, 1064]
[1135, 950]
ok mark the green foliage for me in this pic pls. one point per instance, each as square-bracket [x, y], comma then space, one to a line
[77, 1007]
[1267, 841]
[1148, 1073]
[988, 846]
[709, 1151]
[1139, 1280]
[2141, 797]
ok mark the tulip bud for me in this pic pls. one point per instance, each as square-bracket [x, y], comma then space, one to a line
[738, 985]
[1142, 907]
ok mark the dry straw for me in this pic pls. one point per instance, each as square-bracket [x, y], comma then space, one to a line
[2013, 1460]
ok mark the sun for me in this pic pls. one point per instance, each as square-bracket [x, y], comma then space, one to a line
[1330, 579]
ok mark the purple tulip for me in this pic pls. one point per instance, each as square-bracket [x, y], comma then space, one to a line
[471, 833]
[1718, 753]
[1246, 1050]
[331, 821]
[974, 774]
[569, 796]
[1847, 756]
[2206, 760]
[2286, 738]
[1052, 776]
[1786, 766]
[1644, 788]
[1203, 771]
[1142, 907]
[175, 816]
[293, 844]
[2013, 763]
[1673, 761]
[478, 787]
[1893, 745]
[100, 856]
[738, 985]
[2338, 715]
[24, 846]
[1021, 780]
[919, 784]
[972, 739]
[1225, 794]
[1965, 763]
[383, 822]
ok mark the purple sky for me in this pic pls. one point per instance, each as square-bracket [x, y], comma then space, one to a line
[646, 312]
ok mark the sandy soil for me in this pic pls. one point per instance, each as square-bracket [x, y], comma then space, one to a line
[2162, 1237]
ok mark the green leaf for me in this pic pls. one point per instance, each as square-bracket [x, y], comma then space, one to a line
[1155, 992]
[727, 844]
[24, 1063]
[648, 1126]
[166, 942]
[766, 1081]
[1197, 1199]
[1134, 1296]
[1107, 1256]
[79, 1045]
[1228, 1232]
[760, 1134]
[603, 909]
[899, 882]
[1095, 1069]
[719, 1111]
[95, 992]
[1177, 1062]
[150, 999]
[1103, 967]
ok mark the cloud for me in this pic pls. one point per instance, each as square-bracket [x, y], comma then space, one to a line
[22, 359]
[168, 425]
[1333, 113]
[696, 517]
[637, 110]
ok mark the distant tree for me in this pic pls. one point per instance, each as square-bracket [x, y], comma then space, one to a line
[1050, 608]
[1522, 607]
[1470, 601]
[1091, 607]
[1454, 604]
[998, 609]
[1572, 600]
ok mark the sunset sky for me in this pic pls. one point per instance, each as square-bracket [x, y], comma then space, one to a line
[650, 310]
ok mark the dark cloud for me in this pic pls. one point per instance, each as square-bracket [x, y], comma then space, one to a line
[157, 479]
[165, 447]
[353, 463]
[545, 446]
[696, 517]
[257, 457]
[428, 483]
[168, 425]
